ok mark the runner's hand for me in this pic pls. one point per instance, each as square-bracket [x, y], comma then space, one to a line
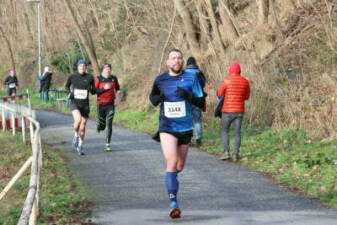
[107, 86]
[71, 95]
[157, 99]
[181, 93]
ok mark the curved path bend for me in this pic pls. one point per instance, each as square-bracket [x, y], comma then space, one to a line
[129, 188]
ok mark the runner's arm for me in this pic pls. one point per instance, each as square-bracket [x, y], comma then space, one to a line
[117, 88]
[98, 91]
[247, 92]
[68, 84]
[197, 101]
[198, 96]
[6, 80]
[92, 86]
[156, 96]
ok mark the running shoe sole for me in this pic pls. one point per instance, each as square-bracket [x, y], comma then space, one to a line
[175, 213]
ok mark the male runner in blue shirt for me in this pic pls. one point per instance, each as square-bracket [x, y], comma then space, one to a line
[175, 91]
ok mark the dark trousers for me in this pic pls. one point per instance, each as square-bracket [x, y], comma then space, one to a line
[46, 95]
[226, 120]
[11, 91]
[105, 117]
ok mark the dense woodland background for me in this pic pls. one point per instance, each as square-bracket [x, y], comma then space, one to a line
[287, 49]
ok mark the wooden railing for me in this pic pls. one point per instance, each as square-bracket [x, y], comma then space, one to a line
[31, 207]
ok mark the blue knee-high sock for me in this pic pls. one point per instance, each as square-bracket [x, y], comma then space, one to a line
[172, 185]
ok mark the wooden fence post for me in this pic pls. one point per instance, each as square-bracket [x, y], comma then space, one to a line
[3, 119]
[31, 129]
[23, 126]
[13, 123]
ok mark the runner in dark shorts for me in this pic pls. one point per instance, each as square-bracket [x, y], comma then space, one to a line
[78, 86]
[175, 91]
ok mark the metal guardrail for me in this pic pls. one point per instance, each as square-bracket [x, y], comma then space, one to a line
[31, 206]
[59, 96]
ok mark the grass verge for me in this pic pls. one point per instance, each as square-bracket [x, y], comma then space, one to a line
[63, 199]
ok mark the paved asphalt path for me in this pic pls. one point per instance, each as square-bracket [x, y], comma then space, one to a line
[129, 188]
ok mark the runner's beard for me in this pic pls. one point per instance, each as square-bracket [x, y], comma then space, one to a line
[177, 71]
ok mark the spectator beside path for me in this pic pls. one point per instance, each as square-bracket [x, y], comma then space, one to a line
[236, 90]
[191, 66]
[45, 81]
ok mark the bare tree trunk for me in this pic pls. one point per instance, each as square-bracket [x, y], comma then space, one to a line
[9, 47]
[228, 26]
[263, 7]
[216, 33]
[14, 19]
[188, 24]
[90, 51]
[204, 24]
[95, 14]
[167, 40]
[28, 26]
[277, 23]
[87, 32]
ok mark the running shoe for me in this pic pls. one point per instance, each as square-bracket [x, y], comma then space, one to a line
[235, 157]
[107, 147]
[75, 142]
[224, 156]
[175, 211]
[80, 150]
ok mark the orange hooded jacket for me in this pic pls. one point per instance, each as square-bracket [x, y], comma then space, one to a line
[236, 90]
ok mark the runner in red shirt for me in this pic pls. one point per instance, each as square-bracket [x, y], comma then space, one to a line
[107, 87]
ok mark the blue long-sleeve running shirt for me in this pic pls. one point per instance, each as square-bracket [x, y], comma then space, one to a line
[176, 113]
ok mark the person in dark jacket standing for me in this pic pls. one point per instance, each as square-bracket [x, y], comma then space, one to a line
[11, 82]
[236, 90]
[78, 87]
[191, 66]
[46, 79]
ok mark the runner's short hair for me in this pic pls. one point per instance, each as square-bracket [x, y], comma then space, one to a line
[174, 50]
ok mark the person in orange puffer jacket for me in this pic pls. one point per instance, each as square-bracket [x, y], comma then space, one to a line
[236, 90]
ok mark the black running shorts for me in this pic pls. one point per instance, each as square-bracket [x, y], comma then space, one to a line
[184, 138]
[84, 110]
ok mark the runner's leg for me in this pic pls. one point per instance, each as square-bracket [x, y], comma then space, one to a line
[169, 144]
[101, 123]
[182, 155]
[77, 121]
[109, 119]
[82, 129]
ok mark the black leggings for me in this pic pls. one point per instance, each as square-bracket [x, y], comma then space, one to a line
[105, 117]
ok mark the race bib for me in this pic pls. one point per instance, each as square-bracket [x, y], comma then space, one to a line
[12, 85]
[175, 109]
[80, 94]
